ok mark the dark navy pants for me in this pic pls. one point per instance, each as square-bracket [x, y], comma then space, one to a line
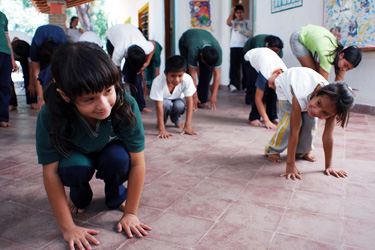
[112, 165]
[135, 81]
[5, 85]
[205, 75]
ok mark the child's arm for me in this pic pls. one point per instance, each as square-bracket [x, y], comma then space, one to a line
[163, 133]
[193, 73]
[262, 111]
[295, 121]
[231, 17]
[189, 116]
[129, 221]
[327, 139]
[73, 234]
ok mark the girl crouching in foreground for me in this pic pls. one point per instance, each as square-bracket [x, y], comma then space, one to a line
[305, 95]
[89, 124]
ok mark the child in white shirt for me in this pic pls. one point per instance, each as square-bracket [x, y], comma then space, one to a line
[169, 90]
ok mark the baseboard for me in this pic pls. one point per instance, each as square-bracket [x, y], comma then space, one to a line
[364, 109]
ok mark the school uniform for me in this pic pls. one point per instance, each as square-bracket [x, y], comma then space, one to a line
[103, 148]
[191, 44]
[173, 103]
[302, 81]
[264, 61]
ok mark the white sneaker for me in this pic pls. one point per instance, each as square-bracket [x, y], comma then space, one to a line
[232, 88]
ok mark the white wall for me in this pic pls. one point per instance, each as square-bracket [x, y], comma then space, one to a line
[220, 10]
[284, 23]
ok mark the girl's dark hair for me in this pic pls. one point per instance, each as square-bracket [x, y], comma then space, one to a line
[80, 68]
[71, 21]
[175, 64]
[274, 41]
[47, 49]
[210, 55]
[342, 96]
[352, 54]
[21, 48]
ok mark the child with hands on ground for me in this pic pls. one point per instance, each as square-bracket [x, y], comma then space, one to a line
[268, 65]
[89, 124]
[169, 90]
[305, 95]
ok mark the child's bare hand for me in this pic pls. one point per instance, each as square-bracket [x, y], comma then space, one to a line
[292, 171]
[164, 134]
[335, 172]
[188, 131]
[131, 224]
[80, 237]
[195, 101]
[270, 125]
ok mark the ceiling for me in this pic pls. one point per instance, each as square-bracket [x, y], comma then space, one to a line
[42, 5]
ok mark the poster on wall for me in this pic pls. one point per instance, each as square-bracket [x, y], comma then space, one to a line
[280, 5]
[352, 21]
[200, 17]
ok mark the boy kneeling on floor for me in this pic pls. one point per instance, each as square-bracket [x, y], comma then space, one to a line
[169, 90]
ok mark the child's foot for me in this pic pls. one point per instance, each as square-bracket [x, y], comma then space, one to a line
[309, 157]
[73, 209]
[179, 125]
[276, 121]
[5, 124]
[146, 110]
[256, 122]
[274, 158]
[12, 108]
[203, 106]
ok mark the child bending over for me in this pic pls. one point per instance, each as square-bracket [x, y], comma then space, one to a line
[89, 124]
[168, 90]
[268, 65]
[305, 95]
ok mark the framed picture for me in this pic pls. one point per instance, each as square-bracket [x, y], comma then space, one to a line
[351, 21]
[280, 5]
[200, 16]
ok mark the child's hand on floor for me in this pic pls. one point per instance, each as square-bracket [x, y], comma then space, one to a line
[335, 172]
[130, 223]
[188, 131]
[80, 237]
[292, 171]
[164, 134]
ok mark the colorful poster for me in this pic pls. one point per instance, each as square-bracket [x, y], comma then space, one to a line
[351, 21]
[200, 14]
[280, 5]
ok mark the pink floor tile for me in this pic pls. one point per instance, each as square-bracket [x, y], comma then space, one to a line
[313, 226]
[136, 244]
[177, 181]
[231, 236]
[160, 197]
[179, 230]
[360, 234]
[282, 241]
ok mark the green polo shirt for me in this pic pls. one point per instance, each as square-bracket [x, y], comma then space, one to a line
[258, 41]
[4, 47]
[194, 40]
[88, 140]
[320, 42]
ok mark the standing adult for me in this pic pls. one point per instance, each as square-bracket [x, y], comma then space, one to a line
[120, 38]
[259, 41]
[43, 45]
[7, 65]
[241, 31]
[203, 55]
[73, 33]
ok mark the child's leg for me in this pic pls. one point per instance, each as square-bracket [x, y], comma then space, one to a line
[76, 172]
[306, 135]
[279, 141]
[203, 88]
[13, 103]
[178, 109]
[271, 107]
[167, 105]
[5, 88]
[251, 76]
[113, 165]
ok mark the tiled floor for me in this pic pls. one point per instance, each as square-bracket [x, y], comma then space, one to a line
[211, 191]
